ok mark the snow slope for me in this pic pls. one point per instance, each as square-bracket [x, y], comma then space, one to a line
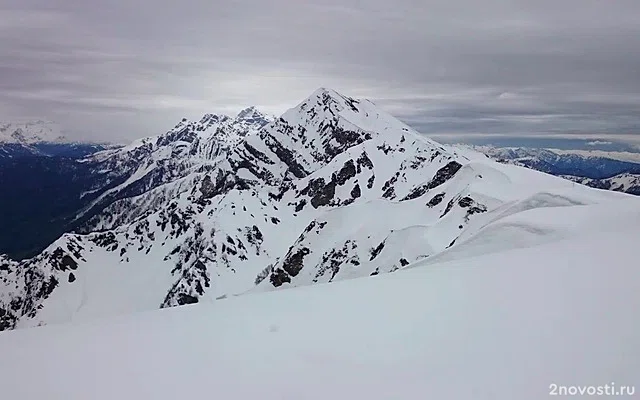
[332, 190]
[504, 325]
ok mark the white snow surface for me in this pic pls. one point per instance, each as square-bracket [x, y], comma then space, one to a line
[504, 325]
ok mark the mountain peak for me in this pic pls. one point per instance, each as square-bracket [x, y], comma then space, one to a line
[252, 115]
[249, 111]
[324, 100]
[325, 91]
[326, 94]
[326, 108]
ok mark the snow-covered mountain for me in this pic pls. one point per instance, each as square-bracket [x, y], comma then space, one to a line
[188, 149]
[40, 138]
[20, 139]
[31, 132]
[83, 182]
[334, 189]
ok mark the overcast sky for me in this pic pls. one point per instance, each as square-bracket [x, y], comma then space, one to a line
[121, 69]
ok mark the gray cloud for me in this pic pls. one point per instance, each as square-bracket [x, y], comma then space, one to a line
[130, 68]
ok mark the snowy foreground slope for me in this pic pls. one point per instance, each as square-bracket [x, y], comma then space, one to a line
[504, 325]
[332, 190]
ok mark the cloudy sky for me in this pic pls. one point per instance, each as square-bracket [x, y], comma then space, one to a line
[121, 69]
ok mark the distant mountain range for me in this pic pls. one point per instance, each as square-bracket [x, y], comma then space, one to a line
[41, 138]
[31, 132]
[603, 171]
[628, 183]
